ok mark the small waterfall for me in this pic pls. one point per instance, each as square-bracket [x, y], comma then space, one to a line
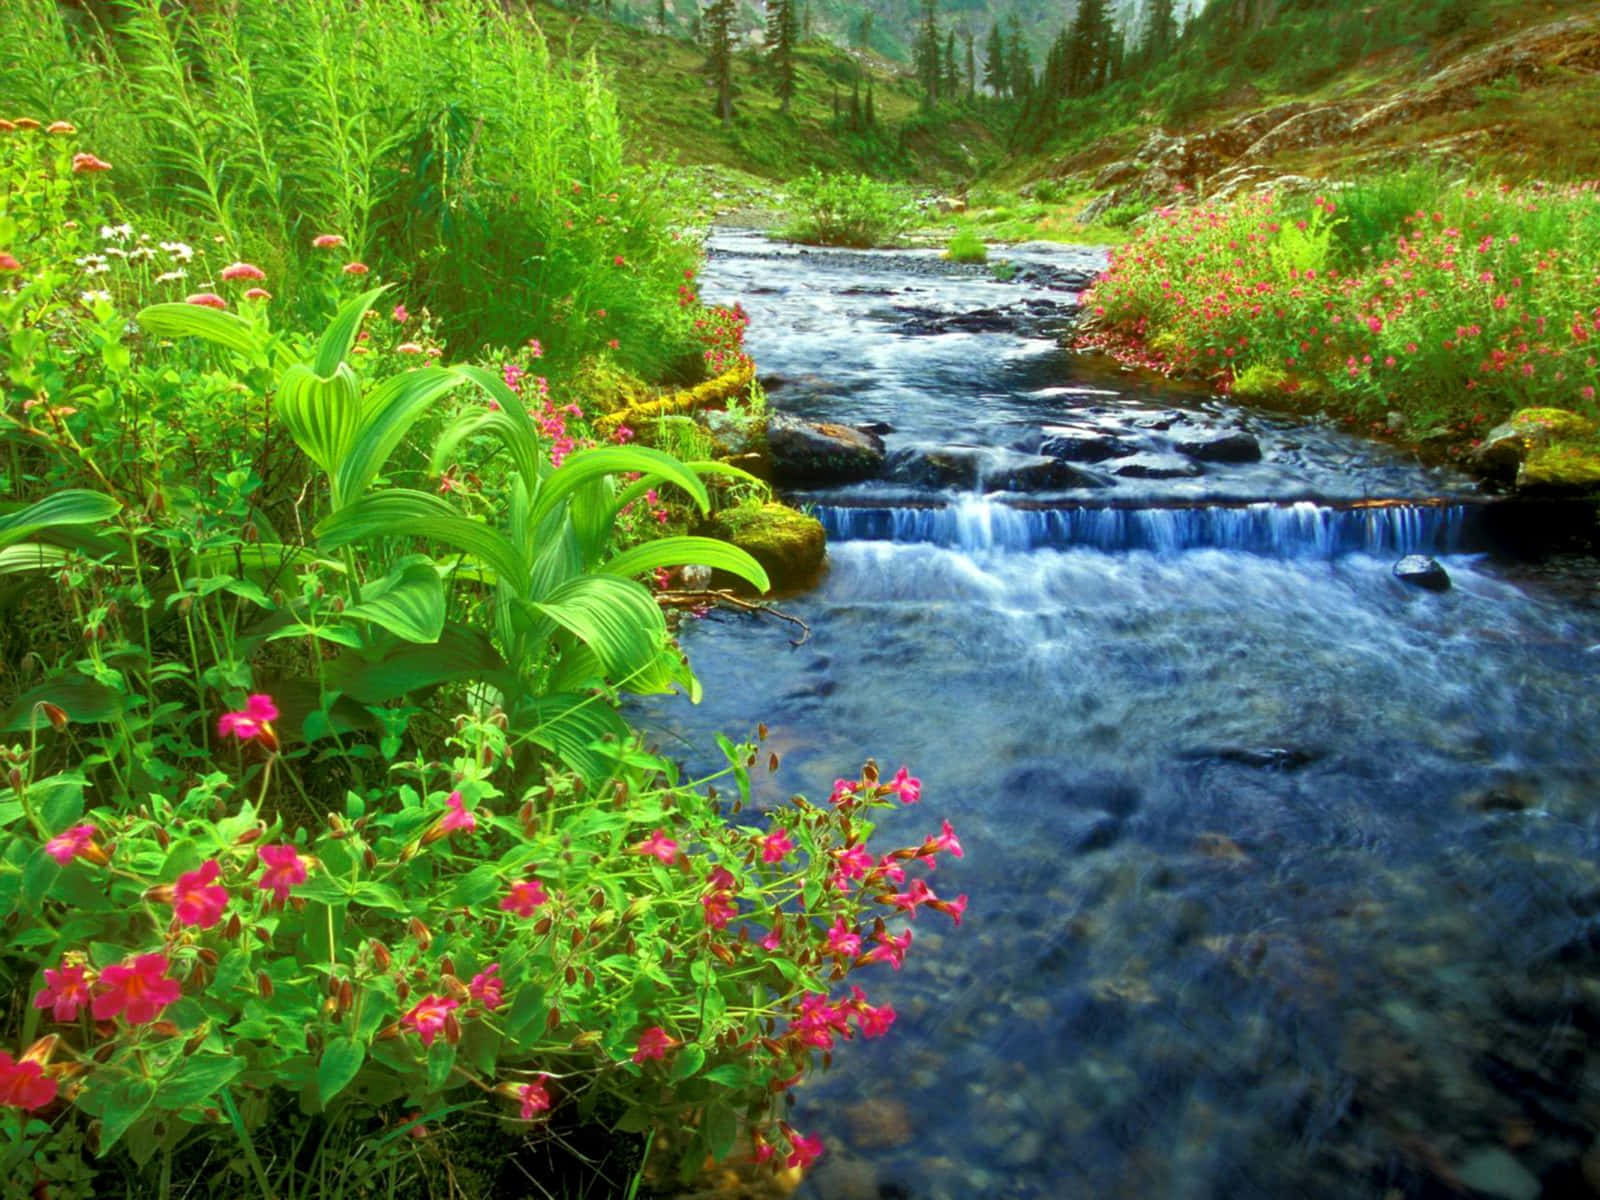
[1300, 530]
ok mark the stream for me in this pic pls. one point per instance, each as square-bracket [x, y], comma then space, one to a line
[1282, 873]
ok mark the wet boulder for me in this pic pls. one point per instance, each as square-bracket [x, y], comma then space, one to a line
[788, 544]
[1041, 474]
[1542, 450]
[1157, 466]
[1233, 446]
[1085, 446]
[807, 452]
[1419, 570]
[942, 467]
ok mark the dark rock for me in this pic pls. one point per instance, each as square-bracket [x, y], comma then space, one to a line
[1421, 571]
[947, 466]
[1233, 447]
[1052, 784]
[1265, 758]
[1511, 795]
[1085, 447]
[1041, 475]
[1157, 467]
[804, 452]
[876, 428]
[1121, 171]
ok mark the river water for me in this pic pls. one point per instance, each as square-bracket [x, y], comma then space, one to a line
[1282, 873]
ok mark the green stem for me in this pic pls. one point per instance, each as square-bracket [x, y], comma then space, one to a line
[249, 1147]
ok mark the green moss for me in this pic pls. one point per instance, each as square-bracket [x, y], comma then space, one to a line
[1259, 382]
[788, 543]
[1547, 425]
[1562, 467]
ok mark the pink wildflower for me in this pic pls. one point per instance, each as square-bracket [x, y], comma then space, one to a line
[257, 294]
[355, 268]
[24, 1084]
[457, 817]
[88, 164]
[65, 991]
[890, 949]
[327, 241]
[843, 789]
[70, 843]
[653, 1043]
[535, 1098]
[400, 315]
[429, 1016]
[855, 862]
[251, 722]
[803, 1151]
[242, 270]
[658, 844]
[946, 840]
[8, 262]
[776, 846]
[906, 786]
[282, 868]
[205, 300]
[197, 899]
[525, 896]
[487, 988]
[408, 348]
[137, 990]
[842, 941]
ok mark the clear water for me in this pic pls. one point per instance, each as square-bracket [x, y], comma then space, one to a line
[1283, 874]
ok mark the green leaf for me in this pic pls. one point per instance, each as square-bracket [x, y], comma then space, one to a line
[595, 463]
[730, 1075]
[83, 700]
[341, 332]
[441, 1061]
[31, 556]
[570, 725]
[192, 320]
[687, 1062]
[321, 412]
[326, 633]
[341, 1061]
[636, 1120]
[75, 506]
[615, 618]
[391, 410]
[460, 654]
[401, 512]
[719, 1128]
[199, 1078]
[409, 601]
[675, 551]
[125, 1105]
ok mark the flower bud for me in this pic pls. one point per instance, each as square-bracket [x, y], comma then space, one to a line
[347, 997]
[56, 715]
[250, 835]
[402, 989]
[455, 987]
[553, 1019]
[369, 859]
[603, 921]
[541, 926]
[452, 1029]
[586, 1040]
[208, 956]
[163, 838]
[380, 954]
[234, 926]
[637, 907]
[163, 1029]
[571, 975]
[41, 1050]
[264, 985]
[420, 932]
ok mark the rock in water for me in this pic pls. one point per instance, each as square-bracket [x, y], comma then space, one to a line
[789, 544]
[1421, 571]
[1223, 447]
[803, 452]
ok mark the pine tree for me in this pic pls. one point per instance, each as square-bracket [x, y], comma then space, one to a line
[868, 115]
[950, 83]
[996, 76]
[972, 62]
[718, 27]
[863, 38]
[1020, 67]
[661, 16]
[1087, 47]
[1160, 32]
[926, 54]
[782, 31]
[855, 105]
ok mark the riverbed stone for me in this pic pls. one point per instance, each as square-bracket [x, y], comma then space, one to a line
[1157, 466]
[1086, 446]
[1493, 1172]
[1233, 446]
[788, 544]
[1042, 474]
[1542, 449]
[1421, 571]
[946, 466]
[821, 452]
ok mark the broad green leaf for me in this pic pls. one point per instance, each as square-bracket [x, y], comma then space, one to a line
[83, 700]
[321, 412]
[337, 634]
[509, 420]
[192, 320]
[460, 654]
[615, 618]
[341, 332]
[126, 1104]
[341, 1062]
[401, 512]
[570, 726]
[74, 506]
[390, 411]
[687, 1062]
[613, 460]
[198, 1078]
[675, 551]
[409, 601]
[31, 556]
[719, 1128]
[441, 1061]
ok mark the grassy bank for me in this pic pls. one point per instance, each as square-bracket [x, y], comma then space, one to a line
[1400, 303]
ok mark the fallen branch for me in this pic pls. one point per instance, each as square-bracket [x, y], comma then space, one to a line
[703, 599]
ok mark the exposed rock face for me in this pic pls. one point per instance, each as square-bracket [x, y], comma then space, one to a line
[787, 543]
[1542, 450]
[803, 452]
[1421, 571]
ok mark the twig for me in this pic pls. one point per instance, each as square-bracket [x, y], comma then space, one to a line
[722, 596]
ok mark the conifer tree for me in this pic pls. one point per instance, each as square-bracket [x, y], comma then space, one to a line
[1021, 64]
[868, 115]
[996, 72]
[950, 81]
[972, 62]
[926, 54]
[1160, 32]
[863, 35]
[661, 16]
[855, 105]
[718, 27]
[782, 31]
[1087, 47]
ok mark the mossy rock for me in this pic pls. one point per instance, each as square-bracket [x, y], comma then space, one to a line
[788, 543]
[1561, 467]
[1543, 449]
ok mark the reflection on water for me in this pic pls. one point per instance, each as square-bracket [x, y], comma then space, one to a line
[1283, 875]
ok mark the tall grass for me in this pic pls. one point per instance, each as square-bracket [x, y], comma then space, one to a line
[438, 138]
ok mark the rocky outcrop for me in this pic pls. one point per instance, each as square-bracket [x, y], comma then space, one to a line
[1546, 450]
[1237, 447]
[807, 452]
[788, 544]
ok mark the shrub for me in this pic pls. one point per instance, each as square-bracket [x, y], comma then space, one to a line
[967, 247]
[846, 210]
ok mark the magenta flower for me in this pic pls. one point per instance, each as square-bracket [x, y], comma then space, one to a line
[137, 989]
[951, 908]
[773, 939]
[890, 949]
[252, 721]
[855, 862]
[24, 1084]
[282, 869]
[946, 841]
[243, 270]
[535, 1098]
[400, 315]
[257, 294]
[8, 262]
[525, 896]
[658, 844]
[70, 843]
[65, 991]
[197, 899]
[457, 817]
[908, 787]
[776, 846]
[408, 348]
[429, 1016]
[88, 164]
[918, 893]
[487, 988]
[653, 1043]
[206, 300]
[803, 1151]
[843, 789]
[718, 909]
[873, 1022]
[355, 268]
[327, 241]
[842, 941]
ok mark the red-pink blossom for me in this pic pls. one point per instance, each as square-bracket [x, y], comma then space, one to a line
[946, 840]
[776, 846]
[653, 1043]
[254, 721]
[205, 300]
[257, 294]
[525, 896]
[487, 988]
[408, 348]
[70, 843]
[803, 1151]
[535, 1098]
[65, 991]
[843, 942]
[88, 164]
[24, 1084]
[855, 862]
[906, 786]
[282, 869]
[355, 268]
[429, 1016]
[658, 844]
[456, 815]
[400, 315]
[137, 989]
[197, 899]
[890, 949]
[327, 241]
[8, 262]
[843, 789]
[243, 270]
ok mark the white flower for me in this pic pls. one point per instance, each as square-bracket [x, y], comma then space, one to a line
[116, 252]
[178, 250]
[171, 276]
[91, 298]
[141, 254]
[116, 233]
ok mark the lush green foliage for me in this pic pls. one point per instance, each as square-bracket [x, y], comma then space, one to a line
[469, 155]
[321, 820]
[846, 210]
[968, 247]
[1454, 312]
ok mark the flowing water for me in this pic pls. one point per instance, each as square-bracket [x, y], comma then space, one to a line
[1282, 873]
